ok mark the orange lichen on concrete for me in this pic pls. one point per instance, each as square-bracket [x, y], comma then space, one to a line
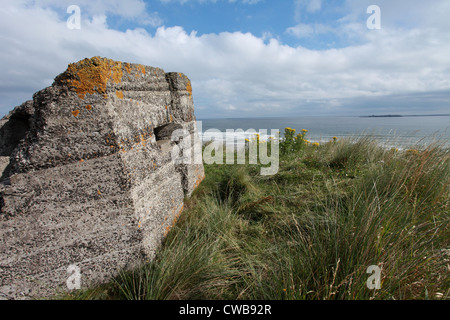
[138, 142]
[116, 72]
[88, 107]
[200, 177]
[199, 180]
[175, 219]
[91, 76]
[143, 140]
[171, 118]
[119, 94]
[128, 67]
[141, 68]
[76, 113]
[189, 88]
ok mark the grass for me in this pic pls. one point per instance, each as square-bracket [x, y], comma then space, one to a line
[308, 232]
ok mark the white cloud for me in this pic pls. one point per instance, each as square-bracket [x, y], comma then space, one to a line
[131, 9]
[314, 6]
[233, 74]
[306, 6]
[303, 30]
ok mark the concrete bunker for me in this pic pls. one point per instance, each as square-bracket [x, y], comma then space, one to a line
[91, 184]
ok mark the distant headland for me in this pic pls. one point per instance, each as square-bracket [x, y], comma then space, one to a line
[409, 115]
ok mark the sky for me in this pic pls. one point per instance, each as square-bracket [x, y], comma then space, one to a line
[245, 58]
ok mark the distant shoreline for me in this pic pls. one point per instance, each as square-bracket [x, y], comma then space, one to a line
[327, 116]
[409, 115]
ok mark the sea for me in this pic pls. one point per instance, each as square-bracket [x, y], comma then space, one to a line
[389, 131]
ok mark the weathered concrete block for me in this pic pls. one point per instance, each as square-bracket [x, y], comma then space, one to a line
[88, 176]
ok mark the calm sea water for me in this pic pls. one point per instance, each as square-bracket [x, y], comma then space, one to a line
[389, 131]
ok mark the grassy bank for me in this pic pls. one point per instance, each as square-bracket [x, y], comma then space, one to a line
[308, 232]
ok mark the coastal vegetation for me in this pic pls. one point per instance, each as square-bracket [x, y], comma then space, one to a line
[311, 231]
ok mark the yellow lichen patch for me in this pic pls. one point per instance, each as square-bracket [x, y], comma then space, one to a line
[171, 118]
[91, 76]
[99, 192]
[128, 67]
[189, 88]
[88, 107]
[141, 68]
[119, 94]
[143, 140]
[76, 113]
[116, 72]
